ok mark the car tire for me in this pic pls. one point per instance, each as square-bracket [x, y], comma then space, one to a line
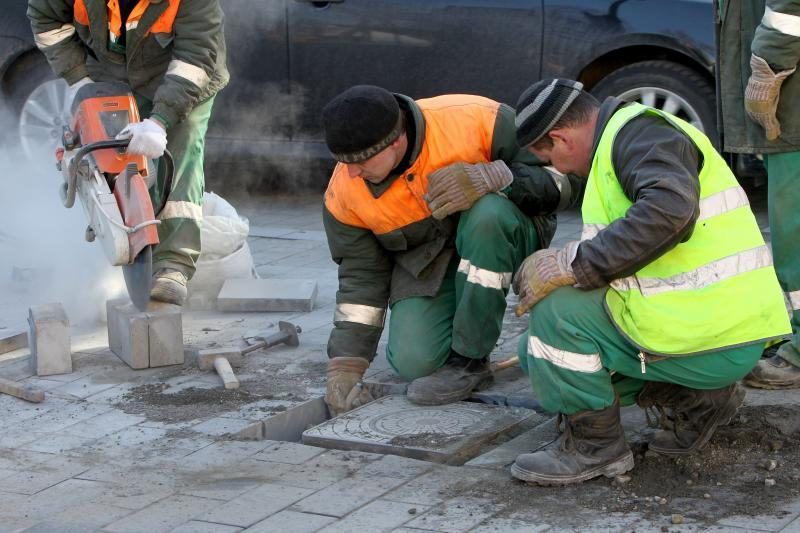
[667, 86]
[36, 100]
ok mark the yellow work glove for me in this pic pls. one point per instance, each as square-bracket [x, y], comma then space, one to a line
[345, 390]
[541, 273]
[456, 187]
[762, 94]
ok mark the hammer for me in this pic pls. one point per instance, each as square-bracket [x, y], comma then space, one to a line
[288, 335]
[222, 361]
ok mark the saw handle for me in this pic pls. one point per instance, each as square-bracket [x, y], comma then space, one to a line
[68, 193]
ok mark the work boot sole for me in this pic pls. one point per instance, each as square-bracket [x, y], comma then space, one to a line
[721, 418]
[771, 385]
[455, 396]
[615, 468]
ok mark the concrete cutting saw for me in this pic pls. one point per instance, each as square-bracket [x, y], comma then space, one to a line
[111, 183]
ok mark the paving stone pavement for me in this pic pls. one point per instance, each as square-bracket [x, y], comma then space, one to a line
[84, 460]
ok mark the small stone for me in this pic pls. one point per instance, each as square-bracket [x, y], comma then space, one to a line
[775, 445]
[689, 482]
[677, 519]
[719, 483]
[621, 480]
[707, 496]
[770, 465]
[769, 482]
[664, 528]
[662, 501]
[695, 475]
[412, 510]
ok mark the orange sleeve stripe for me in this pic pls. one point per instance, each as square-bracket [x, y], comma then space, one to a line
[80, 14]
[166, 21]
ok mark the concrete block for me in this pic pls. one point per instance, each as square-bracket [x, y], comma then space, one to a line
[145, 339]
[449, 434]
[49, 340]
[267, 295]
[13, 340]
[291, 521]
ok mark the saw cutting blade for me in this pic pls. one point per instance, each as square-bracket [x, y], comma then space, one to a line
[139, 278]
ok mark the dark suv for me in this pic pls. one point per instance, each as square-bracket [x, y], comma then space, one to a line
[287, 58]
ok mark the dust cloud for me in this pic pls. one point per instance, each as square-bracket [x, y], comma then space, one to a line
[44, 257]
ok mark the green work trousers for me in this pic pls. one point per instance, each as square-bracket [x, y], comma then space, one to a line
[466, 315]
[783, 201]
[577, 360]
[182, 216]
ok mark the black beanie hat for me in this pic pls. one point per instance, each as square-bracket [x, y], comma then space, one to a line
[540, 107]
[360, 122]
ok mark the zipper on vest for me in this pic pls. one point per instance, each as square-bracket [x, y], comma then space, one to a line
[642, 359]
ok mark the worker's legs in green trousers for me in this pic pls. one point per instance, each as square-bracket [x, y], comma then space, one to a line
[783, 201]
[577, 360]
[466, 315]
[182, 216]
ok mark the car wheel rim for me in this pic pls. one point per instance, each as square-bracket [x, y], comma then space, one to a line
[42, 118]
[665, 100]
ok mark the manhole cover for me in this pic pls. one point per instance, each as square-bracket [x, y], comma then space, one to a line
[444, 434]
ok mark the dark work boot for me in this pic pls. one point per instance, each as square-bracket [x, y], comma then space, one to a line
[773, 373]
[454, 381]
[688, 417]
[592, 444]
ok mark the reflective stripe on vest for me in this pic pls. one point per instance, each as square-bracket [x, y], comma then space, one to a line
[672, 306]
[576, 362]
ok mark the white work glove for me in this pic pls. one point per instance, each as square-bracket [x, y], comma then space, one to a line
[72, 90]
[148, 138]
[458, 186]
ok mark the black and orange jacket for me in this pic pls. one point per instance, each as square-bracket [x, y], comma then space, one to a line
[383, 237]
[174, 51]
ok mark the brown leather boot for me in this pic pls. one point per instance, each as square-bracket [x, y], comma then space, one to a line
[689, 417]
[592, 444]
[452, 382]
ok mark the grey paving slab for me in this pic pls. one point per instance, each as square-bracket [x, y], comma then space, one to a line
[456, 515]
[61, 497]
[221, 453]
[104, 424]
[255, 505]
[287, 521]
[81, 388]
[41, 477]
[67, 414]
[322, 470]
[83, 517]
[145, 339]
[765, 523]
[288, 452]
[379, 515]
[13, 437]
[134, 497]
[431, 487]
[164, 515]
[396, 467]
[56, 442]
[223, 488]
[12, 459]
[347, 495]
[243, 295]
[527, 442]
[498, 525]
[445, 434]
[13, 339]
[222, 426]
[131, 436]
[195, 526]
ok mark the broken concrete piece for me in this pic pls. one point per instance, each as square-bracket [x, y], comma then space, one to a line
[25, 392]
[145, 339]
[267, 295]
[13, 340]
[49, 340]
[448, 434]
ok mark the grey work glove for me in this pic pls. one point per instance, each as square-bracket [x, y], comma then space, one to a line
[762, 94]
[541, 273]
[456, 187]
[345, 389]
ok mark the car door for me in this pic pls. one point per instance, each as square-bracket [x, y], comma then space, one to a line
[416, 47]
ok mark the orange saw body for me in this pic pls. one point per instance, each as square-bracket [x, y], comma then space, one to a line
[111, 183]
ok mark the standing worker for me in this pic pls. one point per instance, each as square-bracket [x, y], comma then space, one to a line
[760, 91]
[630, 313]
[430, 210]
[171, 53]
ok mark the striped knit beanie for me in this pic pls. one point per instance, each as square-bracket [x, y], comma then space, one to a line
[540, 107]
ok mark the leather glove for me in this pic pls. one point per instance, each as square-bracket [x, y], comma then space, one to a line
[541, 273]
[345, 390]
[148, 138]
[456, 187]
[72, 90]
[762, 93]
